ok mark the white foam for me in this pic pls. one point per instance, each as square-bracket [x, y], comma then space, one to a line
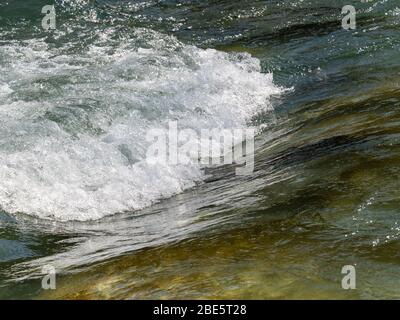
[72, 135]
[5, 90]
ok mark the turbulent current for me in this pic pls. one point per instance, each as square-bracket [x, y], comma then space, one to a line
[76, 191]
[74, 125]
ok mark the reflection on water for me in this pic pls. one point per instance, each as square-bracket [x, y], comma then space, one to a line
[284, 232]
[278, 260]
[324, 194]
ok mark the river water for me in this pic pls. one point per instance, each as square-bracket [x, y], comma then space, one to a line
[77, 194]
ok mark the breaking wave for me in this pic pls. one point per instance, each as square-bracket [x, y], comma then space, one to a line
[73, 118]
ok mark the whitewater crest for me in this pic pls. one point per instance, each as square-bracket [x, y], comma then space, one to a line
[73, 121]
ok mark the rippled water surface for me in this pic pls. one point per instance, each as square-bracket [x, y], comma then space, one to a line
[75, 189]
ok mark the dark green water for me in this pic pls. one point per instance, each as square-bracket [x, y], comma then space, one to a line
[75, 103]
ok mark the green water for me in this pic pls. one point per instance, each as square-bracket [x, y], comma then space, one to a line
[324, 193]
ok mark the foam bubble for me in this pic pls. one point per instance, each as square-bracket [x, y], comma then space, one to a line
[5, 90]
[72, 135]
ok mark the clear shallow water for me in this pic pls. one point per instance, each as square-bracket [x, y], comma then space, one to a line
[76, 102]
